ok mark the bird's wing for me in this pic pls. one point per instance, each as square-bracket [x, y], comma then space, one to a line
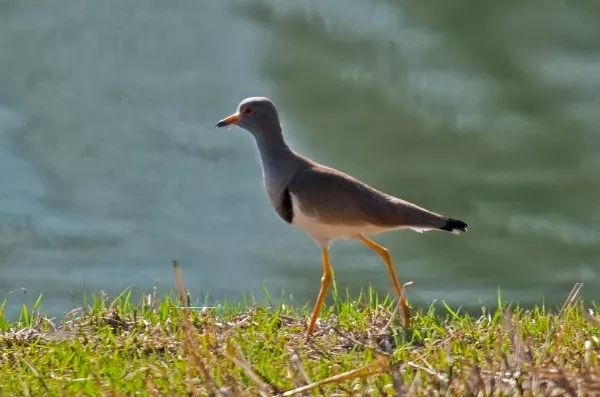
[336, 198]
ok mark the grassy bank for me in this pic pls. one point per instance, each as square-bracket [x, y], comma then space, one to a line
[156, 347]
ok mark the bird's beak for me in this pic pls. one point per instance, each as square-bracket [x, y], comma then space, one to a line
[233, 119]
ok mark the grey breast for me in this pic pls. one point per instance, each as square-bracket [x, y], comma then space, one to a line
[279, 165]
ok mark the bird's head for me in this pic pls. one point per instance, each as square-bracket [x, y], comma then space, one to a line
[257, 115]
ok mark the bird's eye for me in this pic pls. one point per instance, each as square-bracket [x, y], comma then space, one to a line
[248, 111]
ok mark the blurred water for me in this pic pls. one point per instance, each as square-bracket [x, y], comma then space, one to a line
[110, 166]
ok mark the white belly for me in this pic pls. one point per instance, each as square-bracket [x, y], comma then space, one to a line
[322, 232]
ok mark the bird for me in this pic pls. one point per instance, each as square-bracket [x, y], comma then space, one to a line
[326, 203]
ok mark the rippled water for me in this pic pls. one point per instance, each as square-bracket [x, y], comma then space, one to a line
[110, 166]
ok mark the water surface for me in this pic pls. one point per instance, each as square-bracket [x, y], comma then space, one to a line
[110, 166]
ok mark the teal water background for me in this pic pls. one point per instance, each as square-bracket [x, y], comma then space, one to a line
[110, 165]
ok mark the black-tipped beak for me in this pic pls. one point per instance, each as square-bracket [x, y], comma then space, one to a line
[229, 120]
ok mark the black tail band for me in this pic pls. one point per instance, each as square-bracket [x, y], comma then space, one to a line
[454, 225]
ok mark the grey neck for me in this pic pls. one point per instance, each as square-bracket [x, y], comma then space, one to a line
[270, 143]
[276, 157]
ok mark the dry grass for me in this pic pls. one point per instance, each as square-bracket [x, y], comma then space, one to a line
[165, 348]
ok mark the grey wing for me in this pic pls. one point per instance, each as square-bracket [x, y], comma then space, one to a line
[335, 198]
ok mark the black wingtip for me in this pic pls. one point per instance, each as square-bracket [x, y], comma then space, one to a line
[454, 225]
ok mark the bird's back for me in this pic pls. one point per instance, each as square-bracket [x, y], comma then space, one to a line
[337, 198]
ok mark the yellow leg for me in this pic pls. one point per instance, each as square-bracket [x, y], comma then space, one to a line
[325, 284]
[387, 258]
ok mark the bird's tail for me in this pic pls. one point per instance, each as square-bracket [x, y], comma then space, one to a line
[454, 226]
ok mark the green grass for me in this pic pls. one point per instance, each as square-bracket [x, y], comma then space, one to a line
[156, 347]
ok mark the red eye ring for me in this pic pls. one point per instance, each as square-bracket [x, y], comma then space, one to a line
[248, 111]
